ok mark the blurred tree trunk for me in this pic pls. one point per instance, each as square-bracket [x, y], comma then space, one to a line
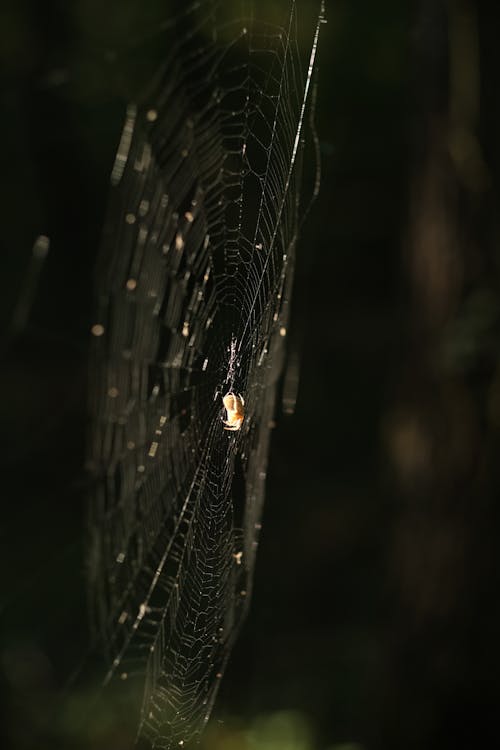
[442, 434]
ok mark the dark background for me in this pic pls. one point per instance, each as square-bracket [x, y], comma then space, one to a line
[375, 617]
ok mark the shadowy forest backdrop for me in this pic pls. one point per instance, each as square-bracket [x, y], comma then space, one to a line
[375, 617]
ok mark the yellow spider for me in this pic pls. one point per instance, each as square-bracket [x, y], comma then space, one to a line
[234, 405]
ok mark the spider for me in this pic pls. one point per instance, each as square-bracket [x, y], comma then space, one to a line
[234, 405]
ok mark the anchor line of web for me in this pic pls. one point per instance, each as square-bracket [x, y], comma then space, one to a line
[312, 59]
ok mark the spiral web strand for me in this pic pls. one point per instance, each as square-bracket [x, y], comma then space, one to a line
[193, 287]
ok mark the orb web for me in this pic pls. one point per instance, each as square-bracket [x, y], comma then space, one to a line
[193, 289]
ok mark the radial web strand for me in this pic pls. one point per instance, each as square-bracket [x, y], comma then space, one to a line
[193, 291]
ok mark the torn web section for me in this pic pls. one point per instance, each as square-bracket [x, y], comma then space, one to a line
[193, 284]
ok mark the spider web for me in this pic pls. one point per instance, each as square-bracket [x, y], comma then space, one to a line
[193, 289]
